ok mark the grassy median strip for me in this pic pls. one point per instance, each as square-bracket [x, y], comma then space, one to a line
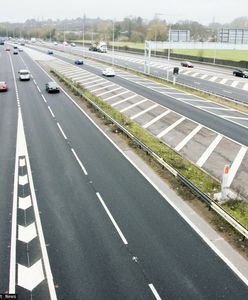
[202, 94]
[202, 180]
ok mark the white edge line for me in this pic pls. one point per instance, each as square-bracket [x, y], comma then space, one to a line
[49, 277]
[61, 130]
[12, 274]
[154, 291]
[112, 219]
[48, 271]
[79, 161]
[206, 240]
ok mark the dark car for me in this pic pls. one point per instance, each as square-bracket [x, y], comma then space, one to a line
[241, 73]
[93, 48]
[187, 64]
[52, 87]
[79, 61]
[3, 86]
[50, 52]
[15, 52]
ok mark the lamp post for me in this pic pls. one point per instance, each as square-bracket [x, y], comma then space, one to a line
[113, 43]
[168, 58]
[83, 31]
[156, 15]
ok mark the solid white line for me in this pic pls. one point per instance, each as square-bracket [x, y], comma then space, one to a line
[38, 89]
[102, 88]
[172, 126]
[157, 118]
[201, 161]
[65, 137]
[245, 87]
[12, 272]
[195, 74]
[144, 111]
[75, 78]
[154, 291]
[232, 117]
[51, 111]
[133, 105]
[44, 98]
[223, 81]
[188, 137]
[216, 108]
[213, 78]
[96, 82]
[234, 83]
[124, 100]
[171, 202]
[228, 92]
[112, 219]
[87, 78]
[236, 164]
[79, 161]
[117, 95]
[109, 91]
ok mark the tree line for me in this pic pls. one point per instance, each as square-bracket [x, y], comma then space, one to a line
[132, 29]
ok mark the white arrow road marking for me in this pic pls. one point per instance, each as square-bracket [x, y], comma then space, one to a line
[27, 234]
[25, 203]
[23, 179]
[22, 162]
[29, 278]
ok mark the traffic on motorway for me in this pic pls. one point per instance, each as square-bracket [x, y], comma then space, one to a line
[82, 217]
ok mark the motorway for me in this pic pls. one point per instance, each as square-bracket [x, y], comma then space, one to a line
[213, 79]
[109, 233]
[215, 135]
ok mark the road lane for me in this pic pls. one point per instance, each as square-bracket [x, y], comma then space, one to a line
[176, 260]
[93, 262]
[8, 126]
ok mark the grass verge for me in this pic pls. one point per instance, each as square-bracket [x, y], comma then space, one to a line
[235, 208]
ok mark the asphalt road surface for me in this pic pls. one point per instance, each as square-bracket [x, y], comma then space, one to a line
[109, 234]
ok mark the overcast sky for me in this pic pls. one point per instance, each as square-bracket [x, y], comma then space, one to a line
[203, 11]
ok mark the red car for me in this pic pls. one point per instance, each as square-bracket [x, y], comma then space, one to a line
[187, 64]
[7, 49]
[3, 86]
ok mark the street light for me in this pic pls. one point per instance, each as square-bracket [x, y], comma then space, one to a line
[155, 17]
[113, 43]
[83, 32]
[119, 33]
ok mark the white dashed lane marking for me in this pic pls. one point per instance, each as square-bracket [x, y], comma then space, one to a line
[61, 130]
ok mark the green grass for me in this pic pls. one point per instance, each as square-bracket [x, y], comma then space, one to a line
[206, 183]
[239, 210]
[198, 177]
[235, 55]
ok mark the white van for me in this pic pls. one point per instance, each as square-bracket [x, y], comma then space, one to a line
[24, 75]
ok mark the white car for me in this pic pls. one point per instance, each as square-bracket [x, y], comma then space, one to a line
[55, 44]
[73, 44]
[110, 72]
[24, 75]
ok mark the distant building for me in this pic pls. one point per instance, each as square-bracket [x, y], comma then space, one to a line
[233, 36]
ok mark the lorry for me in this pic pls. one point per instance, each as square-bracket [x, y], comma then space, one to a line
[99, 47]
